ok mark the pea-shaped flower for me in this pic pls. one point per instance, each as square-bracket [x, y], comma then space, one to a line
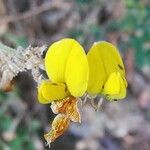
[68, 71]
[71, 73]
[107, 72]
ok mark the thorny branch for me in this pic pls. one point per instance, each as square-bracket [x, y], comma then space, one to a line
[13, 61]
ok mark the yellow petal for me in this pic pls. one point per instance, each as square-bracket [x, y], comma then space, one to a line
[41, 99]
[103, 59]
[125, 81]
[97, 72]
[122, 93]
[115, 87]
[77, 71]
[110, 57]
[112, 86]
[56, 58]
[51, 91]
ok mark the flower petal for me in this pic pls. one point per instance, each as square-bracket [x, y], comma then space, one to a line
[97, 72]
[41, 99]
[104, 59]
[115, 87]
[111, 58]
[56, 58]
[77, 71]
[112, 86]
[50, 91]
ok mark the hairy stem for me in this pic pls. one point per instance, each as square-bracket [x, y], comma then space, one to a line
[13, 61]
[6, 49]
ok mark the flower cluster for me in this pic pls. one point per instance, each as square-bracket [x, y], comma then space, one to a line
[72, 73]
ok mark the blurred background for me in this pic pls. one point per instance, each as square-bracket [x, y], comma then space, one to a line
[121, 125]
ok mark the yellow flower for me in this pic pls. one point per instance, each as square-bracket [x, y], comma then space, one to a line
[72, 73]
[67, 68]
[107, 73]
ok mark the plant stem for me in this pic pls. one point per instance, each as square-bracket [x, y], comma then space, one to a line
[6, 49]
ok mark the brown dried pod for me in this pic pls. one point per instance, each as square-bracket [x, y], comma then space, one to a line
[59, 125]
[67, 106]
